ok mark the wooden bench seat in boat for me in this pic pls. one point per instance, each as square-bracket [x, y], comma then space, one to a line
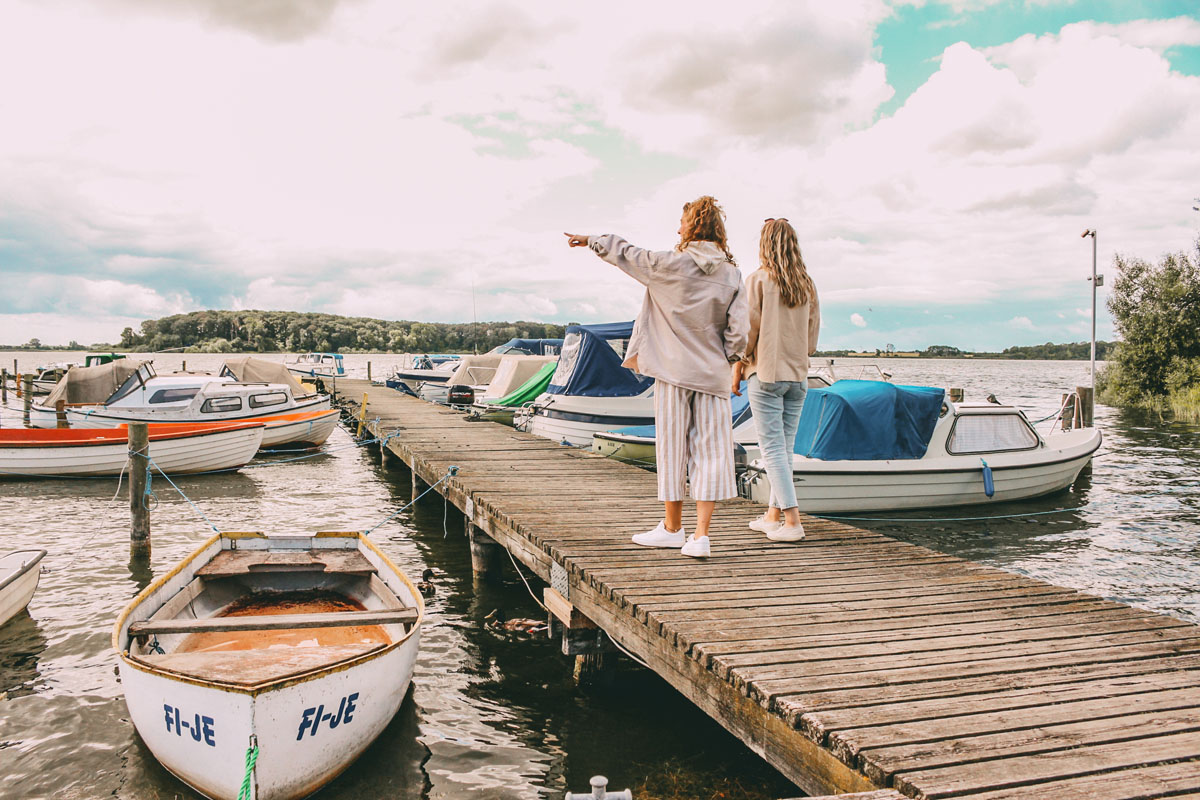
[253, 667]
[274, 622]
[230, 563]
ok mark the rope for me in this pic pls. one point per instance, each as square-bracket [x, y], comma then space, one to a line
[451, 471]
[182, 494]
[951, 519]
[521, 575]
[251, 759]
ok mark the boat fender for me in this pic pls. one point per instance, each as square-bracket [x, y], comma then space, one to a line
[989, 487]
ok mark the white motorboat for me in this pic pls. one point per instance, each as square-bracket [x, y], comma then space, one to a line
[516, 383]
[474, 380]
[590, 390]
[19, 574]
[130, 391]
[176, 449]
[865, 446]
[302, 646]
[318, 365]
[306, 429]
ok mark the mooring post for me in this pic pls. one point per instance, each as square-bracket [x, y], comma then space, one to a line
[368, 370]
[956, 395]
[28, 384]
[184, 368]
[139, 472]
[1087, 407]
[60, 414]
[485, 553]
[4, 386]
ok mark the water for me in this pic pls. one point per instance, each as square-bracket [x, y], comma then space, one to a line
[492, 714]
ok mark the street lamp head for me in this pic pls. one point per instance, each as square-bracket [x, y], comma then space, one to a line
[1087, 233]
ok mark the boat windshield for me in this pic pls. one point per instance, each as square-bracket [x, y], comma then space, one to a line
[135, 381]
[990, 433]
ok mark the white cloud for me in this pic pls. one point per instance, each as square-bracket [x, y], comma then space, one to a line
[1021, 323]
[857, 320]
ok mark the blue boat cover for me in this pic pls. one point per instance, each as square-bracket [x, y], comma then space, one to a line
[535, 347]
[588, 366]
[868, 420]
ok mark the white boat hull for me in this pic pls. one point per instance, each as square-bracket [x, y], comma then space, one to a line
[19, 575]
[205, 452]
[311, 433]
[309, 725]
[573, 420]
[824, 487]
[102, 417]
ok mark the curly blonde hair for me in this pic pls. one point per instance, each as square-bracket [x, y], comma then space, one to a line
[779, 254]
[704, 221]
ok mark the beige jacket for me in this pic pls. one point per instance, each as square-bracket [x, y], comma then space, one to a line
[693, 321]
[781, 338]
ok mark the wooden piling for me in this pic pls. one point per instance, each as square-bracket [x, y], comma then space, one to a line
[28, 397]
[4, 386]
[1086, 405]
[184, 368]
[60, 414]
[485, 553]
[139, 465]
[956, 395]
[368, 370]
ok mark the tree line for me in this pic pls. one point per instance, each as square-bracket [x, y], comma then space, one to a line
[301, 332]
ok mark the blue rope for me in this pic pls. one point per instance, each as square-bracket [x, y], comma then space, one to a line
[451, 471]
[151, 461]
[950, 519]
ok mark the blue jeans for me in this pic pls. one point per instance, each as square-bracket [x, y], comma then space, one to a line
[776, 408]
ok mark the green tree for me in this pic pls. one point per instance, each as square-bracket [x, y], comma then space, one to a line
[1156, 310]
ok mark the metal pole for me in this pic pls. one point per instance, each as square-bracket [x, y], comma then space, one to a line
[139, 467]
[1093, 310]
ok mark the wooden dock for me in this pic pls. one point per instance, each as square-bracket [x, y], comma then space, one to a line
[850, 661]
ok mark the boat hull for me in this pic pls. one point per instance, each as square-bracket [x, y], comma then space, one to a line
[574, 420]
[300, 430]
[637, 449]
[100, 417]
[870, 486]
[203, 451]
[17, 587]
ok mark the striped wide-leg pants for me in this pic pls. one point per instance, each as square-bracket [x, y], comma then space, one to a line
[693, 437]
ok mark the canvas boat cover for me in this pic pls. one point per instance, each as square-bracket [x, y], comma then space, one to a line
[529, 390]
[247, 369]
[513, 372]
[589, 365]
[92, 385]
[536, 347]
[475, 370]
[868, 421]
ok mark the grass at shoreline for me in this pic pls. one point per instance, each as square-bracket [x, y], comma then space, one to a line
[1183, 405]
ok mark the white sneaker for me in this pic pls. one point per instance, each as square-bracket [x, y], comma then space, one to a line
[787, 534]
[661, 537]
[764, 525]
[696, 548]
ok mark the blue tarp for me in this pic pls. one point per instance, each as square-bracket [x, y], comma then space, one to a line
[535, 347]
[868, 420]
[589, 367]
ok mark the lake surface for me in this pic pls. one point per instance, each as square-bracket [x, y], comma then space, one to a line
[493, 714]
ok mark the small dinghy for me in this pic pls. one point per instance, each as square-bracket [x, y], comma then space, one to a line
[300, 645]
[176, 449]
[19, 573]
[873, 446]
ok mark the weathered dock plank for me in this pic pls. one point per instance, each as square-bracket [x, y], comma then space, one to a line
[856, 664]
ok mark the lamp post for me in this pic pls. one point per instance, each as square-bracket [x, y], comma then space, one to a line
[1096, 282]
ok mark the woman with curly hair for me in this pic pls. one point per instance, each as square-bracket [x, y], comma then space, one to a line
[692, 325]
[785, 318]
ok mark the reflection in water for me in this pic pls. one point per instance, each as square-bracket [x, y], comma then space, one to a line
[496, 715]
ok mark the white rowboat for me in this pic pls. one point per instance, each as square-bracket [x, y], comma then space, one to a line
[176, 449]
[19, 573]
[237, 643]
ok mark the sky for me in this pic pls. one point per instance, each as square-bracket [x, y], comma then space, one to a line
[939, 159]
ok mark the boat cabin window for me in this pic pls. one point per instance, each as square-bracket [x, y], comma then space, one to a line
[268, 399]
[174, 395]
[990, 433]
[214, 405]
[567, 359]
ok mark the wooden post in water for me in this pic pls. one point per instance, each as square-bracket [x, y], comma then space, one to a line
[60, 414]
[956, 395]
[1086, 405]
[368, 370]
[139, 467]
[1067, 415]
[28, 384]
[184, 369]
[4, 386]
[485, 553]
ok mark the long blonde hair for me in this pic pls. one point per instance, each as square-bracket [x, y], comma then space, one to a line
[704, 221]
[779, 254]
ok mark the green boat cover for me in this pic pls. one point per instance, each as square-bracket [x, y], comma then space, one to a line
[530, 389]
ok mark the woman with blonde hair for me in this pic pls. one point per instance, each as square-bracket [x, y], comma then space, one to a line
[785, 318]
[691, 327]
